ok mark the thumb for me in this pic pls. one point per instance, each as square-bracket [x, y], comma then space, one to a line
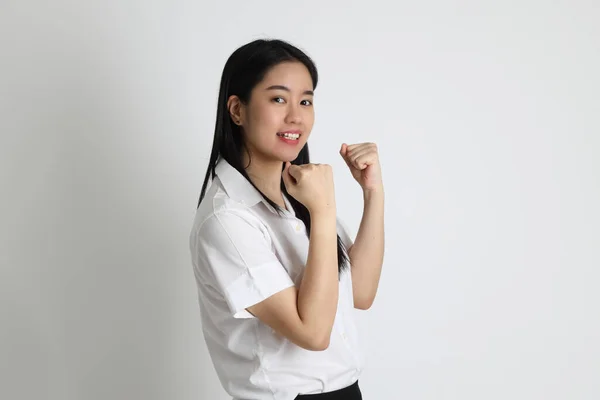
[294, 172]
[285, 174]
[344, 153]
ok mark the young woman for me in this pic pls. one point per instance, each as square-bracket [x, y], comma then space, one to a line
[278, 275]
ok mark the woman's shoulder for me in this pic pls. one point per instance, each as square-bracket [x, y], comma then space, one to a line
[220, 212]
[228, 216]
[217, 202]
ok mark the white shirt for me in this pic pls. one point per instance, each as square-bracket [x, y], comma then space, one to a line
[242, 253]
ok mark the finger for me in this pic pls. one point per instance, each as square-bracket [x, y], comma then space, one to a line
[344, 149]
[364, 161]
[360, 146]
[287, 179]
[344, 154]
[355, 146]
[353, 156]
[295, 171]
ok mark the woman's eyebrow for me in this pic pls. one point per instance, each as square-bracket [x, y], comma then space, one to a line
[281, 87]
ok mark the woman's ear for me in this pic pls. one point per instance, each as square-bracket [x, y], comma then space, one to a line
[234, 106]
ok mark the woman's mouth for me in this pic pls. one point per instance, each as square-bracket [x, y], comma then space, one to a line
[291, 138]
[288, 135]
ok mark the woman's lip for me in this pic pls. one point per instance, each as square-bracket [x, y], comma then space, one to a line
[289, 141]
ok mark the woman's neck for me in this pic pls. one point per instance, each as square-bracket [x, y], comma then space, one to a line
[267, 178]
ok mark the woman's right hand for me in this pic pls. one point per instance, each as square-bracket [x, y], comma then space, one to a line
[311, 185]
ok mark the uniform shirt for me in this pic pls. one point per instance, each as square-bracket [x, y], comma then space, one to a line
[242, 253]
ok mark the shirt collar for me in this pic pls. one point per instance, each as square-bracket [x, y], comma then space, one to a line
[236, 185]
[239, 189]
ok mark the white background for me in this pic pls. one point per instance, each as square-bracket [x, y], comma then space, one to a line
[487, 120]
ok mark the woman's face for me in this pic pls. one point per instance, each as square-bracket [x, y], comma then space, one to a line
[279, 115]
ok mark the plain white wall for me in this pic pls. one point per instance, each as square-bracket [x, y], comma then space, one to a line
[486, 116]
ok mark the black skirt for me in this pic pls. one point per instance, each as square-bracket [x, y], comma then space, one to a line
[351, 392]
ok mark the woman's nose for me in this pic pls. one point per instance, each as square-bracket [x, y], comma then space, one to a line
[293, 115]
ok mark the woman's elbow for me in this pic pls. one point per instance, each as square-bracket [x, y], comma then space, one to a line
[319, 345]
[315, 342]
[363, 303]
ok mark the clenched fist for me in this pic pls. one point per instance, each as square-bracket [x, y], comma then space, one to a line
[363, 161]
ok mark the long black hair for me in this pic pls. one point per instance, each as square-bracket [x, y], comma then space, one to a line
[244, 69]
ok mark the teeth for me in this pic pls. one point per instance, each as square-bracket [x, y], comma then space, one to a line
[293, 136]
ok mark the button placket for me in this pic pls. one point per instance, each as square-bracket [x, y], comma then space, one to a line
[296, 224]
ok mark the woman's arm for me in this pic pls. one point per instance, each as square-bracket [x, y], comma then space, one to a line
[305, 315]
[366, 254]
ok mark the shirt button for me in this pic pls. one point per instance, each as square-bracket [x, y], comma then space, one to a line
[344, 336]
[298, 227]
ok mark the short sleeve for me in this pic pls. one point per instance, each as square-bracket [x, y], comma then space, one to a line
[238, 257]
[344, 233]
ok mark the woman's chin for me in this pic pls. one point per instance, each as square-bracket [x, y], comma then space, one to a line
[287, 156]
[282, 155]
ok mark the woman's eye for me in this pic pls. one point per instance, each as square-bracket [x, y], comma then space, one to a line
[281, 100]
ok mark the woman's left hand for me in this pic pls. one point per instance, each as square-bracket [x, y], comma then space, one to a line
[363, 161]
